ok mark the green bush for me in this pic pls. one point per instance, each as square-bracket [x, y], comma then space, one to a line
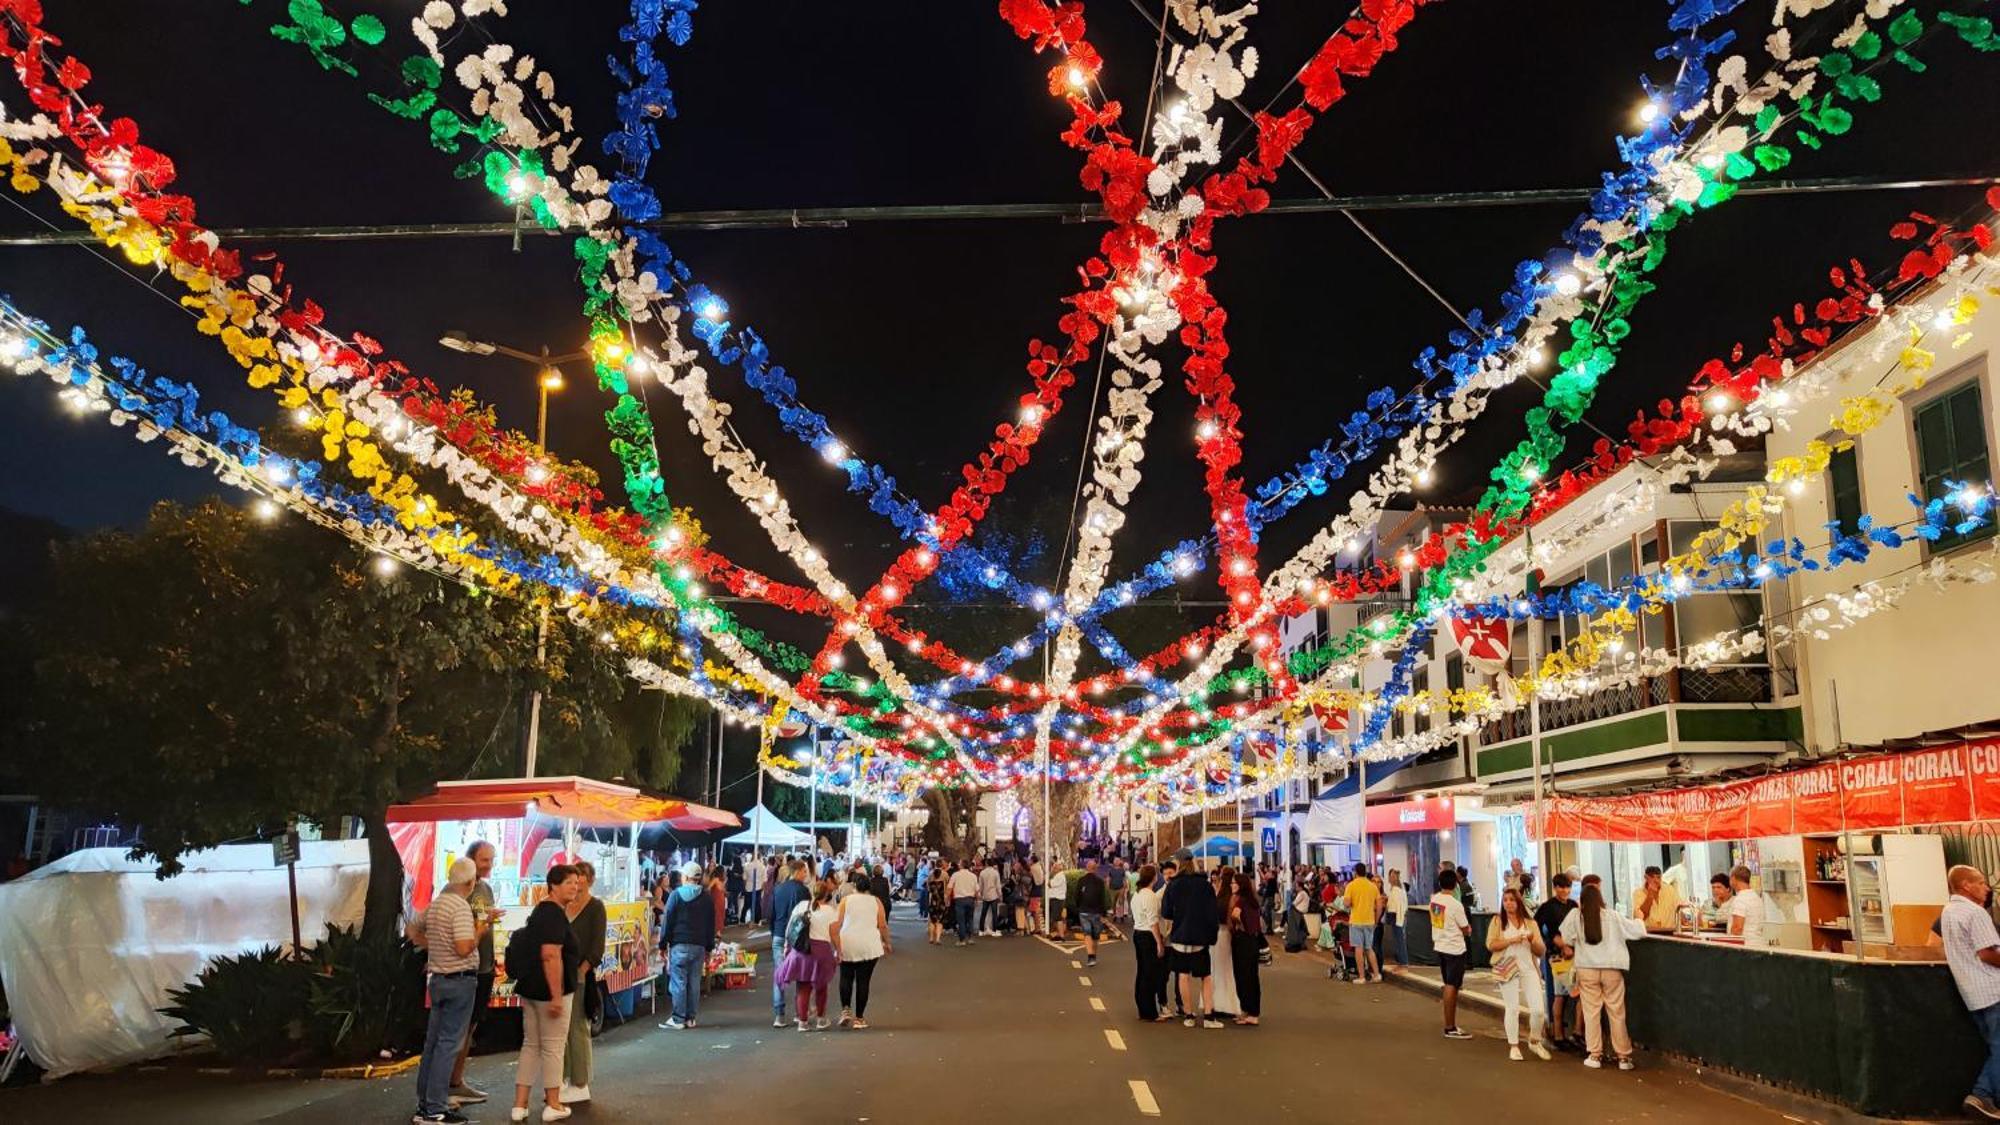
[365, 996]
[251, 1007]
[346, 999]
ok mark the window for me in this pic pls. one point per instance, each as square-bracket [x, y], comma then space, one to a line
[1951, 445]
[1843, 490]
[1649, 550]
[1454, 672]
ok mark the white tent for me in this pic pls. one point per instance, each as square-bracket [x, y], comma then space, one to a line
[763, 829]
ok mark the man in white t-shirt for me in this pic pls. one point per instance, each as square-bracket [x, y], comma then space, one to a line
[1746, 909]
[754, 874]
[962, 890]
[1449, 927]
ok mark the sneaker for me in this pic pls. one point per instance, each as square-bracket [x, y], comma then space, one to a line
[674, 1023]
[555, 1113]
[1188, 1022]
[858, 1025]
[572, 1094]
[780, 1021]
[690, 1022]
[822, 1025]
[465, 1093]
[1540, 1051]
[1456, 1033]
[1984, 1107]
[1625, 1064]
[1090, 962]
[803, 1025]
[846, 1016]
[1514, 1054]
[1594, 1063]
[1211, 1023]
[518, 1113]
[1360, 980]
[452, 1116]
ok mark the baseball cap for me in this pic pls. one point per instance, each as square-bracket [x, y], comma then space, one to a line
[1184, 854]
[690, 870]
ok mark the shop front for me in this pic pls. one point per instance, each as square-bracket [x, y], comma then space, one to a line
[1844, 997]
[534, 824]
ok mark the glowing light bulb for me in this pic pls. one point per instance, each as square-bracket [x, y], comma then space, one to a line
[517, 184]
[536, 474]
[1943, 320]
[1423, 478]
[1720, 401]
[1205, 431]
[1796, 488]
[711, 309]
[385, 566]
[1031, 416]
[302, 415]
[1568, 284]
[1531, 472]
[833, 452]
[13, 347]
[1076, 77]
[266, 510]
[1650, 112]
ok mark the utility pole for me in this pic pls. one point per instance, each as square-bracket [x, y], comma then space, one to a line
[548, 377]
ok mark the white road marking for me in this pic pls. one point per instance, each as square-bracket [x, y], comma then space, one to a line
[1117, 1041]
[1143, 1095]
[1076, 964]
[1096, 1004]
[1084, 981]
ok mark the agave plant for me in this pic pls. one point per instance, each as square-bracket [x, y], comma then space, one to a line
[251, 1006]
[364, 995]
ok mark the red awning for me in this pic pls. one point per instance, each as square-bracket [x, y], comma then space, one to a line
[598, 804]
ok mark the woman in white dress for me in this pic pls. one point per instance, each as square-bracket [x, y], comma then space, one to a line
[1221, 970]
[860, 939]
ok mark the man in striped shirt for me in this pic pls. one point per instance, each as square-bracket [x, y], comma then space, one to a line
[1972, 949]
[451, 936]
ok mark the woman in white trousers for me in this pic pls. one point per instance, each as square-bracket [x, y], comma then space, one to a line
[1516, 944]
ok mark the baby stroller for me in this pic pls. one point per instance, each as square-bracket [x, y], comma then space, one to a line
[1333, 939]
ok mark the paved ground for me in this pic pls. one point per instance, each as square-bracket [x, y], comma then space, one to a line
[1004, 1031]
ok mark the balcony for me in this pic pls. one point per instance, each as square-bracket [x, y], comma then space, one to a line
[1725, 683]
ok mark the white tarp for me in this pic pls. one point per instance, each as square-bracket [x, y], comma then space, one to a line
[1334, 820]
[90, 944]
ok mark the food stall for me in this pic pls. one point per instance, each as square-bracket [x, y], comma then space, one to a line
[533, 824]
[1849, 1002]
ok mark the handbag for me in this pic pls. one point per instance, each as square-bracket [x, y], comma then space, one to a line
[1264, 954]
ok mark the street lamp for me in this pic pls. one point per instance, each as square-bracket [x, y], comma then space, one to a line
[548, 377]
[548, 370]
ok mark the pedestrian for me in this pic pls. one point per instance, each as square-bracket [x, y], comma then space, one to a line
[810, 964]
[786, 898]
[1246, 946]
[1188, 907]
[1558, 970]
[860, 935]
[755, 876]
[1023, 882]
[1364, 904]
[1395, 916]
[1058, 903]
[1092, 893]
[989, 899]
[734, 887]
[587, 921]
[480, 898]
[937, 904]
[450, 935]
[542, 958]
[1222, 956]
[717, 895]
[1116, 879]
[878, 885]
[963, 887]
[1035, 894]
[1746, 909]
[690, 934]
[1517, 947]
[1598, 935]
[1449, 928]
[1172, 982]
[1149, 947]
[1972, 950]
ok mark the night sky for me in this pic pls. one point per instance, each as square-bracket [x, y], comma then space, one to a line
[910, 336]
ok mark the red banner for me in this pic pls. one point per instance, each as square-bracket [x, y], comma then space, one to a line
[1949, 785]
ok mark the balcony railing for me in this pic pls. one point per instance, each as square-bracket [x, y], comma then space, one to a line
[1729, 683]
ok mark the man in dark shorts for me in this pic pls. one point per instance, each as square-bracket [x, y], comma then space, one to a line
[1091, 902]
[1189, 909]
[1449, 929]
[481, 900]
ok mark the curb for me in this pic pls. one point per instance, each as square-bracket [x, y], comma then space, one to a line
[363, 1070]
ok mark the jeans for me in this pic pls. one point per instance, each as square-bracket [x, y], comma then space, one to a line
[1394, 938]
[750, 904]
[778, 948]
[1988, 1084]
[451, 1018]
[684, 965]
[989, 915]
[961, 910]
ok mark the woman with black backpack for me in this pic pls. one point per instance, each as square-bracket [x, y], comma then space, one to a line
[542, 961]
[809, 962]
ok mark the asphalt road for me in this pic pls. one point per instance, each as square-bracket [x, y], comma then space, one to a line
[1005, 1031]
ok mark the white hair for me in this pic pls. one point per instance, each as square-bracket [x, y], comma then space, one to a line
[464, 872]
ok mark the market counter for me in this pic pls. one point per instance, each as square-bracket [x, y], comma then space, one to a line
[1417, 925]
[1887, 1038]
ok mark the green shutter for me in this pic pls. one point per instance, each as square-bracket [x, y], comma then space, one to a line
[1951, 445]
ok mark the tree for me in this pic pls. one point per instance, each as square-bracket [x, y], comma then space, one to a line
[214, 676]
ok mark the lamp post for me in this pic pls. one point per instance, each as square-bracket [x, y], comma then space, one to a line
[548, 377]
